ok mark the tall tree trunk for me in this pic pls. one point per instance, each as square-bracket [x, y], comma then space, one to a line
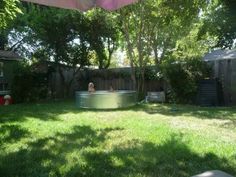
[3, 40]
[130, 53]
[141, 54]
[69, 84]
[63, 82]
[108, 60]
[110, 52]
[155, 55]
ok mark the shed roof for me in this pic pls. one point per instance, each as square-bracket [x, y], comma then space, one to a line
[220, 54]
[8, 55]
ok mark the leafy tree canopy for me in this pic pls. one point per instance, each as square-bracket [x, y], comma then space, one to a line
[8, 11]
[219, 21]
[103, 35]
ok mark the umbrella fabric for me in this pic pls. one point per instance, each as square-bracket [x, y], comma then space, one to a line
[84, 4]
[113, 4]
[67, 4]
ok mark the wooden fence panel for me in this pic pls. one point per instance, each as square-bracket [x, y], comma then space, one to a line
[118, 82]
[233, 81]
[225, 71]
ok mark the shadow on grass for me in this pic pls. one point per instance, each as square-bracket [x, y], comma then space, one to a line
[51, 111]
[45, 156]
[81, 153]
[11, 133]
[44, 111]
[221, 113]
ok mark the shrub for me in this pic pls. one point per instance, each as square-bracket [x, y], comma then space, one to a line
[151, 73]
[29, 86]
[183, 76]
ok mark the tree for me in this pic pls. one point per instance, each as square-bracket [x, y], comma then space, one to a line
[65, 37]
[170, 23]
[133, 29]
[190, 46]
[153, 27]
[103, 36]
[8, 11]
[61, 37]
[219, 21]
[17, 34]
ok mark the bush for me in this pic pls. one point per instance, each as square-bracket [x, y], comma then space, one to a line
[151, 73]
[183, 76]
[29, 86]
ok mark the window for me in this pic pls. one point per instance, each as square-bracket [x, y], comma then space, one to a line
[3, 86]
[1, 69]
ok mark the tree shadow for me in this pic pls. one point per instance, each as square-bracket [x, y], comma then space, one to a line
[45, 157]
[51, 112]
[82, 152]
[171, 159]
[228, 114]
[11, 133]
[44, 111]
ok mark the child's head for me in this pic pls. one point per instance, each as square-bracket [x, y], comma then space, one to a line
[91, 85]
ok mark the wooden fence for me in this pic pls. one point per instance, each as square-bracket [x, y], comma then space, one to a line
[225, 71]
[119, 78]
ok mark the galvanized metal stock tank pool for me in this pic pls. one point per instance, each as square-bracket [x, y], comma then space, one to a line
[106, 99]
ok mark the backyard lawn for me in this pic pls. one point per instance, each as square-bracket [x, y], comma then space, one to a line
[57, 139]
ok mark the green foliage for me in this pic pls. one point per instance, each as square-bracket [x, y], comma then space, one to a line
[183, 77]
[153, 27]
[8, 11]
[103, 36]
[62, 37]
[105, 74]
[191, 46]
[151, 73]
[29, 86]
[54, 29]
[219, 21]
[158, 25]
[17, 34]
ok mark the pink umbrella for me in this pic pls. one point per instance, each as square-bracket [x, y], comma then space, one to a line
[84, 4]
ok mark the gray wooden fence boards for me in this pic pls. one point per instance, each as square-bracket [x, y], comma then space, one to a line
[223, 63]
[118, 82]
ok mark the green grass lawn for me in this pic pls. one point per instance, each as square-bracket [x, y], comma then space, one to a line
[58, 139]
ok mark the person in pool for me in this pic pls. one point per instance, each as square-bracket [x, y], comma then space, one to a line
[111, 89]
[91, 88]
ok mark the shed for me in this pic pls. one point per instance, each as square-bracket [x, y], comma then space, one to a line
[223, 63]
[8, 60]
